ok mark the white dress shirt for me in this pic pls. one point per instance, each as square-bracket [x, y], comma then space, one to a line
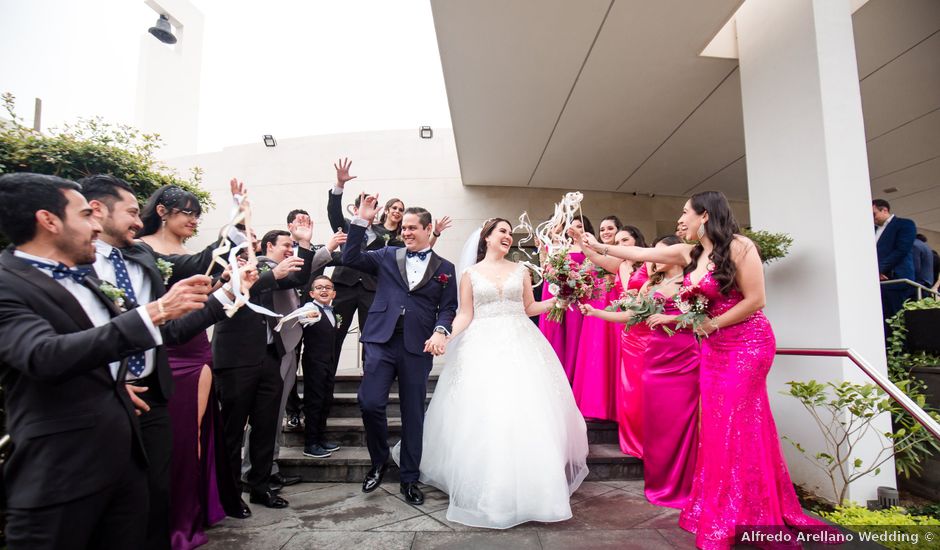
[881, 228]
[370, 234]
[142, 291]
[415, 268]
[97, 313]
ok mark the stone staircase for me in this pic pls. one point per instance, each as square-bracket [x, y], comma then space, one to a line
[351, 462]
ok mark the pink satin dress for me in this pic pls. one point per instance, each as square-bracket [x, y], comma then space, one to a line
[670, 415]
[564, 336]
[629, 389]
[741, 478]
[596, 363]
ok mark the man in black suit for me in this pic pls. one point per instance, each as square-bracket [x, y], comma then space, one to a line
[319, 367]
[132, 267]
[247, 356]
[76, 475]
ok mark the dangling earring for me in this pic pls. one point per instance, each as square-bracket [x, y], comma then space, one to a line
[701, 231]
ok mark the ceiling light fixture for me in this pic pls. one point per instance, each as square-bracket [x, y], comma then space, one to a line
[269, 141]
[891, 190]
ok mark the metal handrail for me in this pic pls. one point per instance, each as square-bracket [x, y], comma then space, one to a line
[888, 386]
[920, 288]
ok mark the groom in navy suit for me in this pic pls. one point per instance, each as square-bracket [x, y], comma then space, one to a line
[409, 321]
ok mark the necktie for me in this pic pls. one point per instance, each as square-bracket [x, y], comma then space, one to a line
[61, 271]
[421, 255]
[136, 362]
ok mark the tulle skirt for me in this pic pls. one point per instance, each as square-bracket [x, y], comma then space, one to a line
[503, 436]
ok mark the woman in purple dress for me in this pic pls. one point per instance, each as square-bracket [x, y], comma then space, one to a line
[202, 489]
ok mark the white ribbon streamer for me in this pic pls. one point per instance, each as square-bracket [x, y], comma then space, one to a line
[300, 315]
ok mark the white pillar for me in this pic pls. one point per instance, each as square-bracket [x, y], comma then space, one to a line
[807, 173]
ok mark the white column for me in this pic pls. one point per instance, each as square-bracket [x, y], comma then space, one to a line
[808, 176]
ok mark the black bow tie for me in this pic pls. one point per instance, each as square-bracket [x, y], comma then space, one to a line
[61, 271]
[421, 255]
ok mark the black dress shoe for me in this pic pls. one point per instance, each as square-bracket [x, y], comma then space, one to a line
[374, 478]
[283, 480]
[413, 495]
[243, 511]
[267, 498]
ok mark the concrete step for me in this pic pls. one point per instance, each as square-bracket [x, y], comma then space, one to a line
[350, 465]
[349, 383]
[346, 405]
[349, 432]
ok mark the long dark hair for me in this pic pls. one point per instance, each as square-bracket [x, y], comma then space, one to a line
[172, 198]
[720, 229]
[388, 205]
[639, 239]
[488, 227]
[657, 277]
[588, 226]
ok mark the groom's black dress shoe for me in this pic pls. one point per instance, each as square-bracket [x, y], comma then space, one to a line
[413, 495]
[243, 511]
[374, 478]
[267, 498]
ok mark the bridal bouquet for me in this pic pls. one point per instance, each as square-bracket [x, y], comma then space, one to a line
[694, 307]
[568, 281]
[642, 307]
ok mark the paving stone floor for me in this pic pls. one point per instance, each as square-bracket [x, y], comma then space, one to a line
[607, 515]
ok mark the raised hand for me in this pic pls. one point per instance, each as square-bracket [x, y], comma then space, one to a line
[247, 279]
[336, 239]
[442, 224]
[237, 187]
[301, 229]
[589, 241]
[287, 266]
[187, 295]
[342, 172]
[576, 233]
[368, 206]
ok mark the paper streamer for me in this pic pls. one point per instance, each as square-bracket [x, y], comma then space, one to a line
[299, 315]
[240, 298]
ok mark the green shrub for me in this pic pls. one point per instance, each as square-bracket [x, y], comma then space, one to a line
[89, 146]
[857, 518]
[771, 246]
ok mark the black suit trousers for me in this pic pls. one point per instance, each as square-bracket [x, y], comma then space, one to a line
[349, 300]
[251, 394]
[319, 381]
[157, 433]
[115, 518]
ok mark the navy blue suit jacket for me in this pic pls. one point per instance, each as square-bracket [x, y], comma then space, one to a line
[432, 303]
[895, 259]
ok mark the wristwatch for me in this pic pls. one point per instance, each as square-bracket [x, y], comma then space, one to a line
[440, 330]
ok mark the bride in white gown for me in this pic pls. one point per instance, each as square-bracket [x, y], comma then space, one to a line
[503, 436]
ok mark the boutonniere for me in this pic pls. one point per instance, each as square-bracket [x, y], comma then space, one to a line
[263, 266]
[339, 319]
[387, 237]
[443, 278]
[166, 270]
[113, 293]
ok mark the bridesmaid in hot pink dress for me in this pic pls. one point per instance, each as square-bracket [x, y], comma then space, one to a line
[741, 477]
[565, 336]
[598, 357]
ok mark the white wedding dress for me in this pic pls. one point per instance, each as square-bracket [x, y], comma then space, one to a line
[503, 436]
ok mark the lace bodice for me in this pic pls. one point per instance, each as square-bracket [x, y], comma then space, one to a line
[493, 298]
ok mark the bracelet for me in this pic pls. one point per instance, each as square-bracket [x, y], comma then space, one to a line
[606, 249]
[161, 311]
[436, 234]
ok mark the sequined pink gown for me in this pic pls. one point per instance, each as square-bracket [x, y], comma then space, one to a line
[564, 336]
[741, 477]
[629, 390]
[597, 363]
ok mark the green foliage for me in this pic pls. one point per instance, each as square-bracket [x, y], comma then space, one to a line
[909, 461]
[771, 246]
[858, 517]
[89, 146]
[932, 510]
[844, 414]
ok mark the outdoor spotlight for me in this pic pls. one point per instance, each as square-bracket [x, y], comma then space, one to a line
[426, 132]
[269, 141]
[163, 31]
[891, 190]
